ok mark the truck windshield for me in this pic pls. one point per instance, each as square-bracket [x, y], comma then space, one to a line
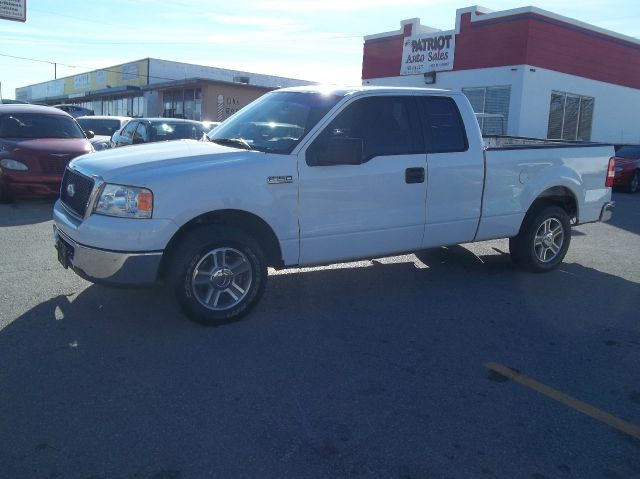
[275, 122]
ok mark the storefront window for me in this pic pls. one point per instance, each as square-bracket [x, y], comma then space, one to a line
[182, 104]
[197, 110]
[188, 104]
[138, 107]
[167, 101]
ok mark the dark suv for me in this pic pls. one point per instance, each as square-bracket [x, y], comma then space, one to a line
[75, 110]
[36, 143]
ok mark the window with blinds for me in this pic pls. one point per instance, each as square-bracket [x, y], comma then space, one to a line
[492, 105]
[570, 116]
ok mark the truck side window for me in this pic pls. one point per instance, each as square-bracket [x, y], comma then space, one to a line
[382, 123]
[443, 128]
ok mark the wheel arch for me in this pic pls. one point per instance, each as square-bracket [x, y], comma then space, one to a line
[249, 223]
[561, 196]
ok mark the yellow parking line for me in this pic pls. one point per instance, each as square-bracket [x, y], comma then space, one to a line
[583, 407]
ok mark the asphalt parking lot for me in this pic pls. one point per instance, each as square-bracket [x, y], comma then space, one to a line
[385, 368]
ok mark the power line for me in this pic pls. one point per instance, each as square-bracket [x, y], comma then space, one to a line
[36, 60]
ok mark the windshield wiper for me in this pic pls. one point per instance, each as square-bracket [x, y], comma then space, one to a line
[241, 142]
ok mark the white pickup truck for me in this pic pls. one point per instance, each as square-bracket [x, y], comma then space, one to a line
[309, 176]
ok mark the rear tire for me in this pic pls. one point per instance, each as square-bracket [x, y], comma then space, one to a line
[218, 274]
[543, 240]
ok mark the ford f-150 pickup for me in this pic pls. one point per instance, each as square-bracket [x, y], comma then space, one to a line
[309, 176]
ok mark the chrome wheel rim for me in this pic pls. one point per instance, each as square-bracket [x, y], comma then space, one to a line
[221, 279]
[549, 240]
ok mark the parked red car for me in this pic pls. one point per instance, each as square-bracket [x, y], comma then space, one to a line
[36, 143]
[627, 168]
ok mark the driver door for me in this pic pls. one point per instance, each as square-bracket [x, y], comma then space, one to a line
[375, 206]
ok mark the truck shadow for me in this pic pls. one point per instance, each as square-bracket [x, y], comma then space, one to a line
[26, 212]
[627, 213]
[316, 374]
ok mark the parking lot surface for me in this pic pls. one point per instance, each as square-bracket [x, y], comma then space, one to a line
[384, 368]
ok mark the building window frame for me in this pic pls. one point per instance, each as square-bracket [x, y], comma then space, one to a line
[490, 103]
[560, 124]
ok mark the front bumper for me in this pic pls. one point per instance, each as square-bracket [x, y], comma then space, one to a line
[30, 185]
[607, 211]
[115, 268]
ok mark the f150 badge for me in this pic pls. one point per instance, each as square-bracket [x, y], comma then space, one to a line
[277, 180]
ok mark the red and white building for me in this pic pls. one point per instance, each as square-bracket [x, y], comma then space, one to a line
[530, 72]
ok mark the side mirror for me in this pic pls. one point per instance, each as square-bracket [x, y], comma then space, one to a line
[337, 151]
[89, 134]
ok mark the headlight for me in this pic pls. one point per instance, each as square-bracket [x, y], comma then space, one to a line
[125, 201]
[13, 165]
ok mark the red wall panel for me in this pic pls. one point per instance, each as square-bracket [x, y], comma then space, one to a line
[497, 45]
[526, 38]
[382, 57]
[570, 49]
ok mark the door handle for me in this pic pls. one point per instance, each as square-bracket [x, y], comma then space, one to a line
[414, 175]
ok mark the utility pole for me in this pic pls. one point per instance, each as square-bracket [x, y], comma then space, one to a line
[55, 71]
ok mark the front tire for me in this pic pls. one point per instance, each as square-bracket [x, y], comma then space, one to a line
[5, 196]
[634, 186]
[543, 240]
[218, 273]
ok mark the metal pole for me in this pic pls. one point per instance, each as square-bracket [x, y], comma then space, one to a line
[55, 71]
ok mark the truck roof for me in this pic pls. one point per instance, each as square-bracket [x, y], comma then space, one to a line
[349, 90]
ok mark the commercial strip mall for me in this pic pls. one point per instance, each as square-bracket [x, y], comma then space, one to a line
[526, 71]
[152, 87]
[531, 72]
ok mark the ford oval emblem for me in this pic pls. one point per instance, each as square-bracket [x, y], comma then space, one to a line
[71, 190]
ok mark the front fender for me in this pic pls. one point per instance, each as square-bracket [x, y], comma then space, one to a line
[239, 184]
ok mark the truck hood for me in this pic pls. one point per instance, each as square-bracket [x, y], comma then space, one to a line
[126, 160]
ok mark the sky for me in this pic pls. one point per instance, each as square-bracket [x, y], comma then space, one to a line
[306, 39]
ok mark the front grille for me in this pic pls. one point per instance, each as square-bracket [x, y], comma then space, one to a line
[81, 189]
[54, 166]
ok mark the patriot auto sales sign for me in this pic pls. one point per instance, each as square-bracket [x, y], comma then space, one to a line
[428, 53]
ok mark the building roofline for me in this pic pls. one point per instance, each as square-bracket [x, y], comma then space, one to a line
[545, 13]
[193, 80]
[480, 14]
[229, 70]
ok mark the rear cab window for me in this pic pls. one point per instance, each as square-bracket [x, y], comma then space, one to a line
[442, 124]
